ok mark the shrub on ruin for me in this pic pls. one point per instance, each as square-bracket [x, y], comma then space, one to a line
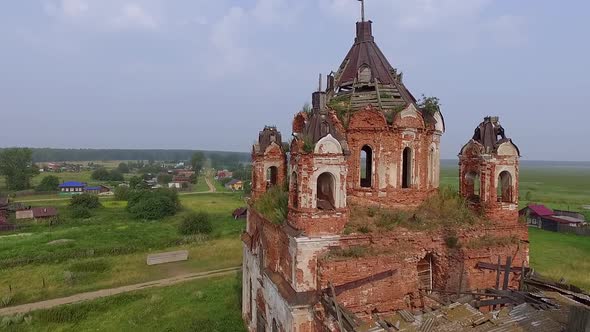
[195, 223]
[273, 204]
[85, 200]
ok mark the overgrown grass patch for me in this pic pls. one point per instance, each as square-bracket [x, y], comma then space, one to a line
[273, 204]
[201, 305]
[443, 210]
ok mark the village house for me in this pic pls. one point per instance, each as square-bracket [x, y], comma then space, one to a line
[369, 144]
[3, 206]
[37, 213]
[223, 174]
[97, 190]
[72, 187]
[235, 185]
[539, 216]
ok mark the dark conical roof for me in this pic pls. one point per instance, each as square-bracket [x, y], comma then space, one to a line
[365, 64]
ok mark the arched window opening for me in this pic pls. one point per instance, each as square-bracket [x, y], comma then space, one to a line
[366, 165]
[407, 168]
[293, 191]
[275, 326]
[505, 187]
[425, 269]
[472, 186]
[271, 176]
[325, 192]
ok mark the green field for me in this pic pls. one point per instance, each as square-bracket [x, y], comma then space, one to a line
[35, 268]
[203, 305]
[558, 255]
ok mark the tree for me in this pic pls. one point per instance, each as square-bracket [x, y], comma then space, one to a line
[164, 178]
[85, 200]
[152, 205]
[17, 167]
[101, 174]
[123, 168]
[197, 161]
[116, 175]
[121, 193]
[195, 223]
[49, 183]
[136, 182]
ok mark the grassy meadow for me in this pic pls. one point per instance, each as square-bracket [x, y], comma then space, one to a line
[109, 249]
[558, 255]
[202, 305]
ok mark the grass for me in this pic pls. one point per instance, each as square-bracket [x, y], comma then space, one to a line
[30, 283]
[111, 235]
[202, 305]
[445, 210]
[201, 185]
[558, 255]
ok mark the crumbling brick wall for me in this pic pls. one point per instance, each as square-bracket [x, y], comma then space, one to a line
[401, 251]
[368, 128]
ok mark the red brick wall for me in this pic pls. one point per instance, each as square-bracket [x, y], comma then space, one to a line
[368, 127]
[275, 244]
[274, 154]
[401, 251]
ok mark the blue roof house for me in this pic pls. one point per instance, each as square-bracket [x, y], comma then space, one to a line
[72, 187]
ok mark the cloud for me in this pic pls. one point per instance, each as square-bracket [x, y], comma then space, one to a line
[233, 35]
[101, 14]
[507, 30]
[133, 15]
[74, 8]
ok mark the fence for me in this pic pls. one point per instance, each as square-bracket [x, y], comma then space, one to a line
[583, 231]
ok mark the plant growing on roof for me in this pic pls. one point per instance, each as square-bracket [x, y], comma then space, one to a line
[430, 105]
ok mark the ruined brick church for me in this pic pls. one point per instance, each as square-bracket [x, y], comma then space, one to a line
[367, 143]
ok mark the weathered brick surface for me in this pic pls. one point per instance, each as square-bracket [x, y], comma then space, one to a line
[387, 142]
[273, 156]
[401, 251]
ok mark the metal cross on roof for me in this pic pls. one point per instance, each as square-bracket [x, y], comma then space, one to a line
[362, 10]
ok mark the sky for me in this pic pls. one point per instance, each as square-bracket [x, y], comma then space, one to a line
[203, 74]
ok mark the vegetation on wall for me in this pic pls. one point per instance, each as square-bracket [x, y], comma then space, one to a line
[445, 210]
[430, 105]
[273, 204]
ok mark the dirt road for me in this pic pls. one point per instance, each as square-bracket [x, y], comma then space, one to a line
[24, 308]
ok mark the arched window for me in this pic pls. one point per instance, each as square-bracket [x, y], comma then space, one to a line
[407, 168]
[271, 176]
[293, 191]
[424, 268]
[325, 199]
[472, 186]
[366, 166]
[505, 187]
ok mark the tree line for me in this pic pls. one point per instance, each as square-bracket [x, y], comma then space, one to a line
[58, 155]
